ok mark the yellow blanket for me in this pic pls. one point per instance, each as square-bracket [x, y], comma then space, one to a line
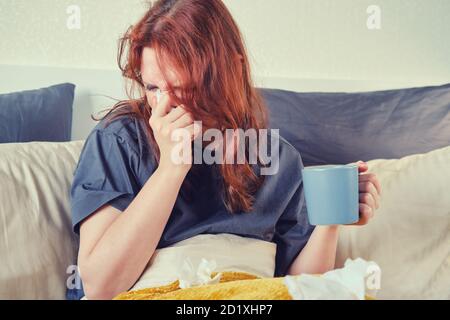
[232, 286]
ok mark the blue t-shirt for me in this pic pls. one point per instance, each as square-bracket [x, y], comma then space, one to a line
[116, 161]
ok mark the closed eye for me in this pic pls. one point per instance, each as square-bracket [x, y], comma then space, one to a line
[150, 87]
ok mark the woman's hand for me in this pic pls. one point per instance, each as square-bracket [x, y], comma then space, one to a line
[167, 123]
[369, 194]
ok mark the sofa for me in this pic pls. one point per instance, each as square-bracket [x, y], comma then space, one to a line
[404, 135]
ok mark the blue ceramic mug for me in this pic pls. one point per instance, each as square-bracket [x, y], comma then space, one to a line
[331, 194]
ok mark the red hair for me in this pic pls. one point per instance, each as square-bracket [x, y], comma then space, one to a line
[202, 42]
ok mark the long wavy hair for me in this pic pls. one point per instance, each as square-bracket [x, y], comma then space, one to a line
[203, 43]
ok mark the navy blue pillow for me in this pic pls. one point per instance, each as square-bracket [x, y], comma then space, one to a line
[37, 115]
[337, 128]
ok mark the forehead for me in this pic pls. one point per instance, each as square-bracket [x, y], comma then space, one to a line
[151, 72]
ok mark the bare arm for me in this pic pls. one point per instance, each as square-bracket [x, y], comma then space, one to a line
[319, 254]
[115, 248]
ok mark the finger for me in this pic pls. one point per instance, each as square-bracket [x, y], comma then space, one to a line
[362, 166]
[151, 98]
[366, 210]
[163, 107]
[175, 114]
[368, 199]
[190, 132]
[365, 214]
[368, 187]
[194, 130]
[373, 178]
[184, 121]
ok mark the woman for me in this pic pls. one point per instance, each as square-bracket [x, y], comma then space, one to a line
[129, 196]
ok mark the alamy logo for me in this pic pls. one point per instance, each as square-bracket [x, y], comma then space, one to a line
[374, 18]
[73, 21]
[228, 147]
[74, 279]
[373, 277]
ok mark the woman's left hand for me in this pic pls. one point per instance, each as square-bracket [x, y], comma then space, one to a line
[369, 194]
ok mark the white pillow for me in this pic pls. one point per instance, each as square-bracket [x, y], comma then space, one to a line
[37, 244]
[410, 235]
[227, 252]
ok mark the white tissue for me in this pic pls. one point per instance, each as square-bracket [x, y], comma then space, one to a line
[349, 283]
[189, 276]
[158, 95]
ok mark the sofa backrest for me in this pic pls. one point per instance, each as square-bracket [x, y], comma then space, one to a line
[346, 127]
[408, 238]
[37, 246]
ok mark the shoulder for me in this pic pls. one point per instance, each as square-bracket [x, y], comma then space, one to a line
[126, 130]
[289, 157]
[290, 152]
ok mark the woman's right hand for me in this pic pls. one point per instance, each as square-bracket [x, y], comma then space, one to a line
[165, 121]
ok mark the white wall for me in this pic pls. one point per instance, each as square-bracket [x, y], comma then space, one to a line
[319, 39]
[301, 45]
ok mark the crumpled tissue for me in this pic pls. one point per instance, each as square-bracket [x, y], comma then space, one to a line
[189, 276]
[356, 280]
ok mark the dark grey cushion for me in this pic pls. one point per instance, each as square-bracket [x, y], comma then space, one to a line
[37, 115]
[341, 128]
